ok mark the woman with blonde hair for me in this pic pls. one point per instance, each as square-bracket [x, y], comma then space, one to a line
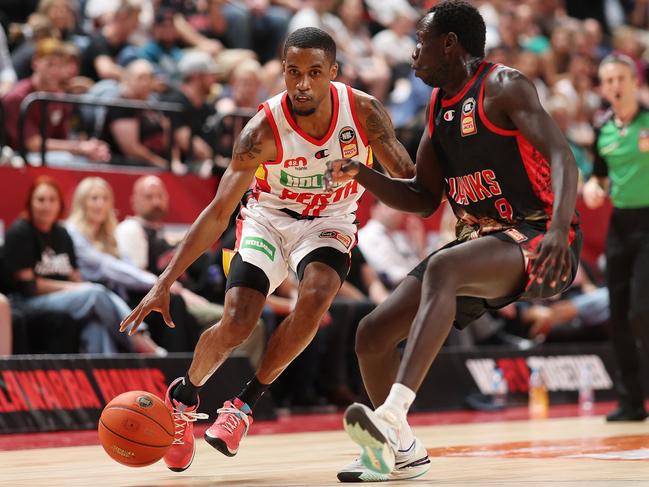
[92, 224]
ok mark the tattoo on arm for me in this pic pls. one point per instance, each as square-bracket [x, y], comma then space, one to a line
[248, 147]
[379, 125]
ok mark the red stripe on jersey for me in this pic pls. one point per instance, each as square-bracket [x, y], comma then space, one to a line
[352, 106]
[538, 172]
[431, 114]
[452, 101]
[278, 141]
[483, 115]
[239, 223]
[302, 133]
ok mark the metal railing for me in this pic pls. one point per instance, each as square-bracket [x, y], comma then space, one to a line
[45, 98]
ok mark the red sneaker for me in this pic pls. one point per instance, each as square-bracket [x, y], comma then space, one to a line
[230, 427]
[181, 454]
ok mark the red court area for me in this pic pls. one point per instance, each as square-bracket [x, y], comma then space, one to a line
[302, 423]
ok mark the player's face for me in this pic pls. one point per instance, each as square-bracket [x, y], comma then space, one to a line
[618, 84]
[428, 59]
[307, 73]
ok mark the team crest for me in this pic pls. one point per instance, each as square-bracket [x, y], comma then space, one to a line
[348, 142]
[449, 115]
[643, 140]
[467, 124]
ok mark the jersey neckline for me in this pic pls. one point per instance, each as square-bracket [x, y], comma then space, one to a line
[447, 102]
[302, 133]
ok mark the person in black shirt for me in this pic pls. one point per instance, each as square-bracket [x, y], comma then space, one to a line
[136, 136]
[511, 179]
[98, 60]
[40, 257]
[197, 70]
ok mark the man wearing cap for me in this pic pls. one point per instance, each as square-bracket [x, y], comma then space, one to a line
[49, 64]
[197, 70]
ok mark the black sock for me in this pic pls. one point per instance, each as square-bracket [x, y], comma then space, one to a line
[252, 392]
[186, 392]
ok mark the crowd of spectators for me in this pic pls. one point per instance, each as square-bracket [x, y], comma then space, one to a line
[216, 58]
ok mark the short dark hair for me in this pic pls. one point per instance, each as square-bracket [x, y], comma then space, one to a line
[465, 20]
[311, 38]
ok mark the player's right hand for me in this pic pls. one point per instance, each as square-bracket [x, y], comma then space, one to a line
[157, 299]
[340, 170]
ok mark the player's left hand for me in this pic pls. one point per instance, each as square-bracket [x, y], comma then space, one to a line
[551, 263]
[340, 170]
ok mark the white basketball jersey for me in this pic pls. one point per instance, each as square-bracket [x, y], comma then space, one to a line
[295, 179]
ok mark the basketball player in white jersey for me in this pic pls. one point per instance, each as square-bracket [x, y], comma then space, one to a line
[290, 221]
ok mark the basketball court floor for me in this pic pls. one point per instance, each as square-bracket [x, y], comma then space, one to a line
[467, 450]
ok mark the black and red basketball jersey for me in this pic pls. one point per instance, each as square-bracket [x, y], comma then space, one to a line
[494, 177]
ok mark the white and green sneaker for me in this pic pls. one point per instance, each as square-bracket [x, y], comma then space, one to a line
[377, 437]
[409, 464]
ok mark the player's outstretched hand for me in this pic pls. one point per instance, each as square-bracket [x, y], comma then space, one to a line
[551, 263]
[339, 171]
[157, 299]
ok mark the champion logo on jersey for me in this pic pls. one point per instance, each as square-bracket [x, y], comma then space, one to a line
[348, 142]
[449, 115]
[321, 154]
[467, 124]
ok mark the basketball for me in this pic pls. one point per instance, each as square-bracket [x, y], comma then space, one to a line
[136, 429]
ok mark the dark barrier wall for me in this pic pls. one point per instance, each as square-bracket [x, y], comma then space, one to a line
[48, 393]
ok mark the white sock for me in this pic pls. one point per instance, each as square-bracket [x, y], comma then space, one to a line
[399, 401]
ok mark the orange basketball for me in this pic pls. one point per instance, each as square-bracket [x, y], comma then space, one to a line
[136, 429]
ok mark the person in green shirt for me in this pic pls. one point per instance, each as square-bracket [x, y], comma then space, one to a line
[622, 169]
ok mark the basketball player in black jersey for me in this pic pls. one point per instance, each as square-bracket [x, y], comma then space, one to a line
[509, 175]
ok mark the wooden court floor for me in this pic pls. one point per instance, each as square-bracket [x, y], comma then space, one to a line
[567, 452]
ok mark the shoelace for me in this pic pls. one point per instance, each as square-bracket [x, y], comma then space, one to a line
[181, 420]
[233, 418]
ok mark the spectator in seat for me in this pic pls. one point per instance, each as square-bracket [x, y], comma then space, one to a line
[7, 72]
[40, 257]
[99, 59]
[136, 137]
[391, 252]
[197, 70]
[49, 71]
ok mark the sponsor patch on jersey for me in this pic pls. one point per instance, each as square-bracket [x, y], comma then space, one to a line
[643, 140]
[517, 236]
[348, 142]
[306, 182]
[296, 163]
[449, 115]
[259, 244]
[467, 123]
[346, 240]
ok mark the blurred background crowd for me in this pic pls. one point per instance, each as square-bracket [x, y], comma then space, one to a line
[190, 73]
